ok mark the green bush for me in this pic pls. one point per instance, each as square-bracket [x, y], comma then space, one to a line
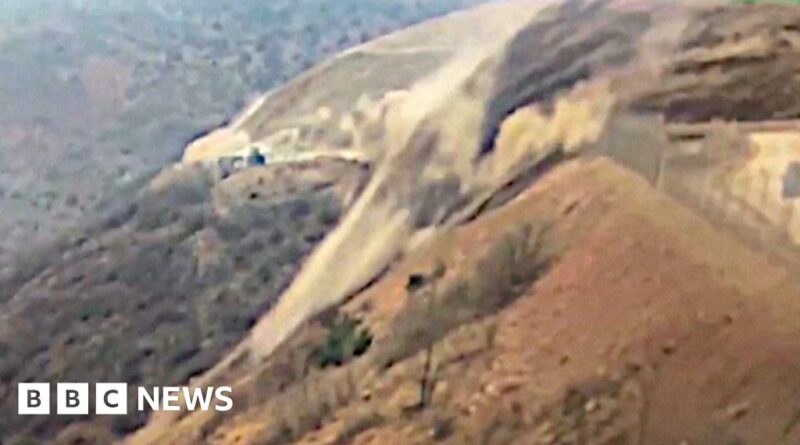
[345, 340]
[328, 213]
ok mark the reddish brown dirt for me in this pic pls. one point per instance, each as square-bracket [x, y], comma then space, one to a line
[697, 334]
[651, 328]
[706, 363]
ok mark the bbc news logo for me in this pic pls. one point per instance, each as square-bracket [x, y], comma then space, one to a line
[112, 399]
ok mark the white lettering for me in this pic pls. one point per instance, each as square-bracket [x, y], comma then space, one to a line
[227, 404]
[171, 398]
[195, 395]
[151, 401]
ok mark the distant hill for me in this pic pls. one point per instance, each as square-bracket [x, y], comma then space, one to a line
[159, 290]
[96, 95]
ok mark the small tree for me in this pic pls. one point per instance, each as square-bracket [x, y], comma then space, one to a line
[425, 286]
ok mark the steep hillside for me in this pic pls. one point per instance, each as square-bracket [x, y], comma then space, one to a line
[96, 95]
[160, 293]
[485, 254]
[588, 310]
[553, 81]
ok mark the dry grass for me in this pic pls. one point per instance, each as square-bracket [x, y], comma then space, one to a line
[504, 274]
[311, 399]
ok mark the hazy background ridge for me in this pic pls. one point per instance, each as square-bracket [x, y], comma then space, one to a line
[96, 94]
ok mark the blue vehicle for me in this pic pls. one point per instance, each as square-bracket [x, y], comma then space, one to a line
[256, 158]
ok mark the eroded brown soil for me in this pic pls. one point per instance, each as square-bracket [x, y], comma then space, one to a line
[641, 332]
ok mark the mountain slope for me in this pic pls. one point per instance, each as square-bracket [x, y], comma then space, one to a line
[634, 334]
[84, 81]
[566, 79]
[159, 294]
[550, 299]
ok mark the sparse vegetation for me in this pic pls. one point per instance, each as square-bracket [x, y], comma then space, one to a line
[442, 428]
[346, 339]
[328, 214]
[183, 201]
[161, 88]
[158, 296]
[358, 424]
[25, 440]
[434, 309]
[503, 275]
[424, 286]
[305, 405]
